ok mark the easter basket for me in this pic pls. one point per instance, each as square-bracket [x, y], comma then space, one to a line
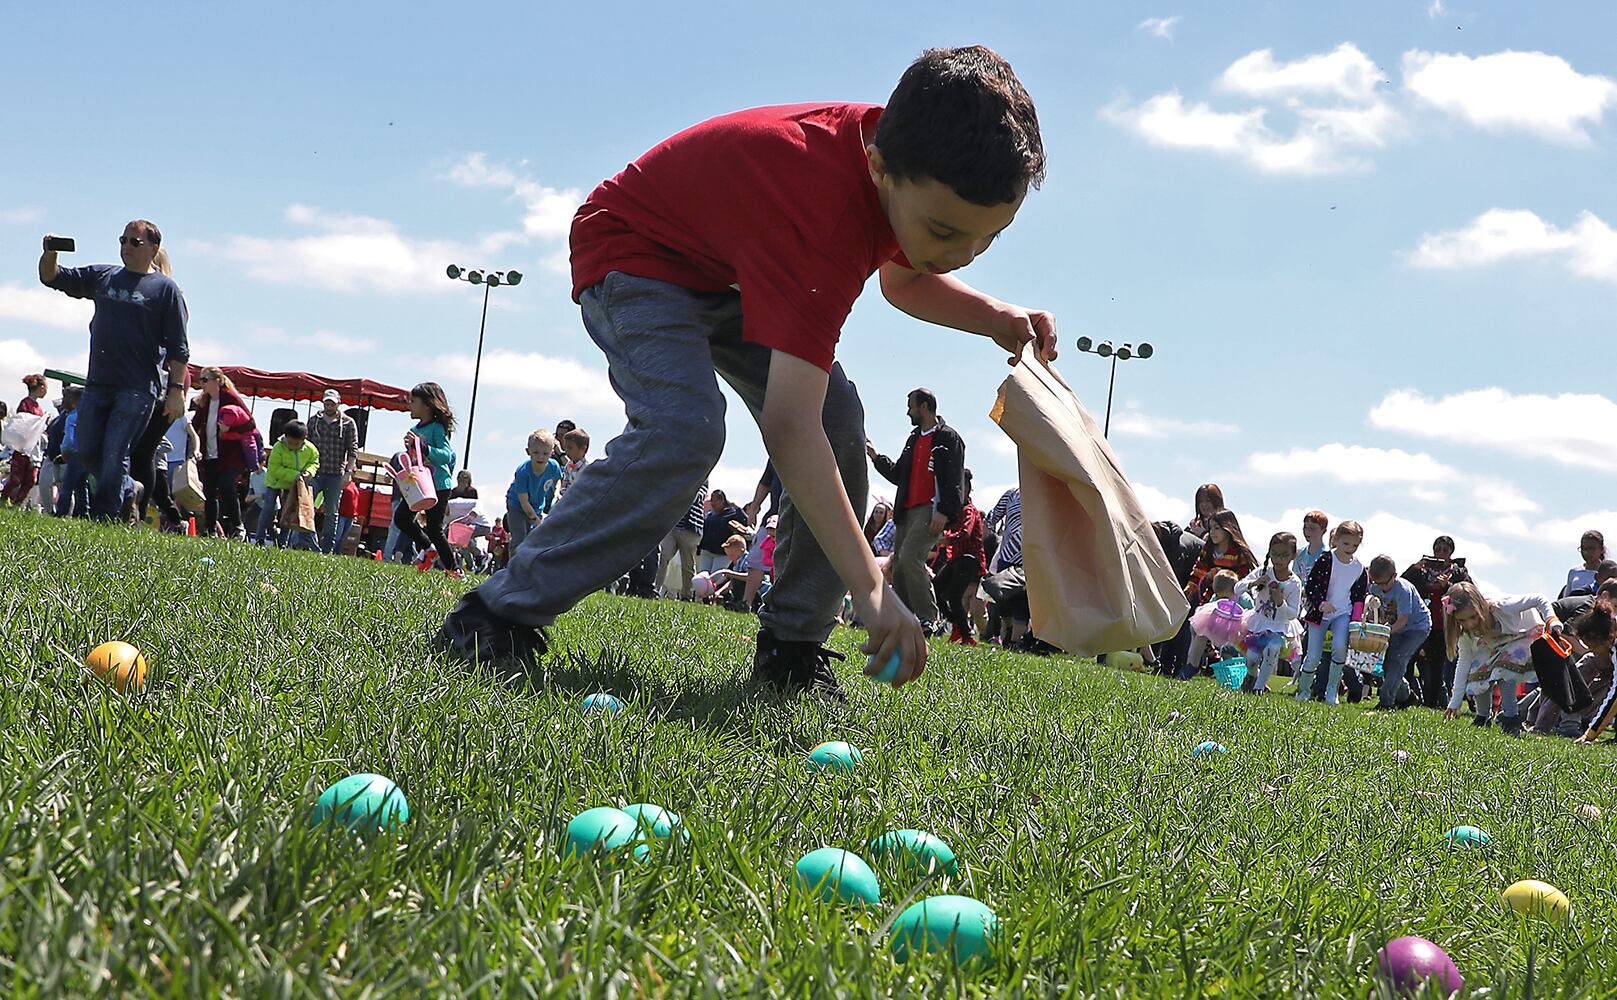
[1230, 673]
[1369, 635]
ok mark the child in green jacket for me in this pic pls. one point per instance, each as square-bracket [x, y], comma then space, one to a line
[292, 458]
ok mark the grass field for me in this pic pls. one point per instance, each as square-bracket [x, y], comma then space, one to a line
[159, 845]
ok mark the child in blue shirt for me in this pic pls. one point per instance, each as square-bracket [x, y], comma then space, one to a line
[532, 487]
[1411, 623]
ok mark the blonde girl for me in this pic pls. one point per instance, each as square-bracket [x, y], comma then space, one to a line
[1491, 643]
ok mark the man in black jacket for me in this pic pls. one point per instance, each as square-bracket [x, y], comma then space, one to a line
[931, 493]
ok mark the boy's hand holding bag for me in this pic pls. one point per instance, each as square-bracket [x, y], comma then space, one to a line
[1097, 578]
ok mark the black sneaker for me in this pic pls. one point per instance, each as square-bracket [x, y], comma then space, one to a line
[1482, 720]
[1511, 725]
[475, 634]
[1249, 684]
[797, 667]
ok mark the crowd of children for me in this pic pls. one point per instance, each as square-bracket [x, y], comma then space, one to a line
[1313, 611]
[1338, 627]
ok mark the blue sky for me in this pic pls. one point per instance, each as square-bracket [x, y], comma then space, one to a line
[1372, 244]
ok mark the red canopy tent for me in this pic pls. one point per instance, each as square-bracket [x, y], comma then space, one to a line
[376, 510]
[309, 388]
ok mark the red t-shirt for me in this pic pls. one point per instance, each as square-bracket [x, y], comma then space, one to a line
[923, 484]
[775, 201]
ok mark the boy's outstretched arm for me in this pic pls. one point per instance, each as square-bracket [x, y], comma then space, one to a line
[948, 301]
[808, 471]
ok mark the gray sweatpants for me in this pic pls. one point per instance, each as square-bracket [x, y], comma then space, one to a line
[664, 345]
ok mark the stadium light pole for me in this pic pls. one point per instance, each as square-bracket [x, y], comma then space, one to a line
[1104, 349]
[490, 280]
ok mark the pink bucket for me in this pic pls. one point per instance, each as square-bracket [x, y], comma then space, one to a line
[460, 534]
[414, 480]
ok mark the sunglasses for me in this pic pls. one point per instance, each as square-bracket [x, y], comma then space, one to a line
[132, 241]
[204, 380]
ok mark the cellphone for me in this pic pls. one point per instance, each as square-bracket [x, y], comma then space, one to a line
[61, 244]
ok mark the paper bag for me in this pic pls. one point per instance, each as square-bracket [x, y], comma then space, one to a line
[1097, 578]
[297, 512]
[185, 485]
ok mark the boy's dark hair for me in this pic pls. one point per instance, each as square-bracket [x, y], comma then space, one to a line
[296, 429]
[576, 438]
[962, 118]
[1606, 570]
[1382, 566]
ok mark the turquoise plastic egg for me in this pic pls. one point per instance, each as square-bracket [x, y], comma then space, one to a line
[957, 925]
[1469, 837]
[1208, 748]
[603, 829]
[887, 674]
[656, 821]
[916, 849]
[602, 703]
[834, 756]
[367, 804]
[838, 876]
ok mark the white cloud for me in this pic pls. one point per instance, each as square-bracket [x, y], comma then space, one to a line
[1569, 428]
[1352, 464]
[1527, 91]
[1132, 422]
[1332, 97]
[34, 303]
[562, 383]
[1159, 506]
[737, 481]
[1564, 533]
[20, 357]
[1435, 9]
[1323, 142]
[345, 253]
[1588, 248]
[1344, 73]
[1357, 464]
[21, 216]
[548, 211]
[1161, 27]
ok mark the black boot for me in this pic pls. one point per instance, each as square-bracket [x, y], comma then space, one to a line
[797, 667]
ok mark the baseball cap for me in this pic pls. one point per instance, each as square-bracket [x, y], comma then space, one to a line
[333, 395]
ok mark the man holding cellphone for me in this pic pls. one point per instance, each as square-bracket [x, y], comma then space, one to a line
[138, 326]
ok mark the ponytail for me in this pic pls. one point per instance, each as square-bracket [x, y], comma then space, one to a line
[160, 262]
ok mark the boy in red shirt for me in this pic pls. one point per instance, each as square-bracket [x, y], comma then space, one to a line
[736, 249]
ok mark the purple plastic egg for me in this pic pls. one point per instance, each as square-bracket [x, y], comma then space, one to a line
[1408, 962]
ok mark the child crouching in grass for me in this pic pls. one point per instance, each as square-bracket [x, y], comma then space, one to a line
[1277, 595]
[1491, 642]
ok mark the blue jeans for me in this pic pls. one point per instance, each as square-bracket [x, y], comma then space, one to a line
[1338, 627]
[343, 524]
[73, 491]
[329, 484]
[666, 348]
[1400, 651]
[268, 507]
[109, 422]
